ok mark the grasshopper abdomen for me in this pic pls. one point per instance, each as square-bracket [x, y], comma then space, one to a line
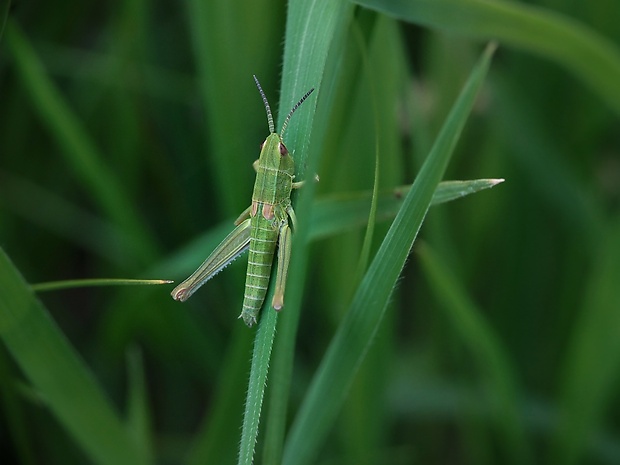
[263, 239]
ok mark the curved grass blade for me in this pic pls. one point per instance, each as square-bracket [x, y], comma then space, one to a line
[374, 199]
[81, 153]
[592, 363]
[57, 372]
[217, 439]
[52, 212]
[354, 335]
[215, 37]
[487, 351]
[5, 5]
[593, 58]
[139, 419]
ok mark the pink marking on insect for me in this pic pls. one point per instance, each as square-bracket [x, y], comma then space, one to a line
[268, 211]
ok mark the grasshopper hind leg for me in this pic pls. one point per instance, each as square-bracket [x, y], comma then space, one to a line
[284, 258]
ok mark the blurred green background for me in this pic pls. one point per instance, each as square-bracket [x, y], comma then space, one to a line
[127, 133]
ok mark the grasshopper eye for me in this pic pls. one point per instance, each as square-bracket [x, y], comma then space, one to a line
[262, 144]
[283, 150]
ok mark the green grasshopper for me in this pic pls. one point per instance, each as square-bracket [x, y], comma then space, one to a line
[258, 227]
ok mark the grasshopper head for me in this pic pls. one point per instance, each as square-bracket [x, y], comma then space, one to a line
[275, 155]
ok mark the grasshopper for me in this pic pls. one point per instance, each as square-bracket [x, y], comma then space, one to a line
[259, 227]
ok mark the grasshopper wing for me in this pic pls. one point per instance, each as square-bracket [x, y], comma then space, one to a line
[237, 242]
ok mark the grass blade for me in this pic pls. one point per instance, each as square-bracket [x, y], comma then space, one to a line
[487, 351]
[139, 419]
[217, 440]
[261, 355]
[593, 58]
[304, 62]
[5, 5]
[351, 342]
[587, 386]
[80, 151]
[232, 116]
[55, 369]
[334, 214]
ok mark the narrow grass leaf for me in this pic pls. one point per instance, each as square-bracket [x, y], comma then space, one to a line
[303, 67]
[217, 439]
[451, 190]
[5, 5]
[80, 151]
[354, 335]
[139, 421]
[342, 212]
[486, 348]
[592, 363]
[58, 373]
[232, 116]
[261, 356]
[374, 200]
[17, 417]
[47, 210]
[592, 58]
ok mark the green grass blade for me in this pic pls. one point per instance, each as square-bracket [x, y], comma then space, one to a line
[217, 440]
[56, 371]
[304, 63]
[139, 421]
[80, 151]
[5, 5]
[43, 208]
[451, 190]
[233, 117]
[261, 356]
[337, 213]
[591, 57]
[536, 153]
[592, 363]
[486, 348]
[18, 427]
[352, 340]
[374, 199]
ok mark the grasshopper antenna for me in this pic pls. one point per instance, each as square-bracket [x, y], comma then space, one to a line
[293, 111]
[267, 107]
